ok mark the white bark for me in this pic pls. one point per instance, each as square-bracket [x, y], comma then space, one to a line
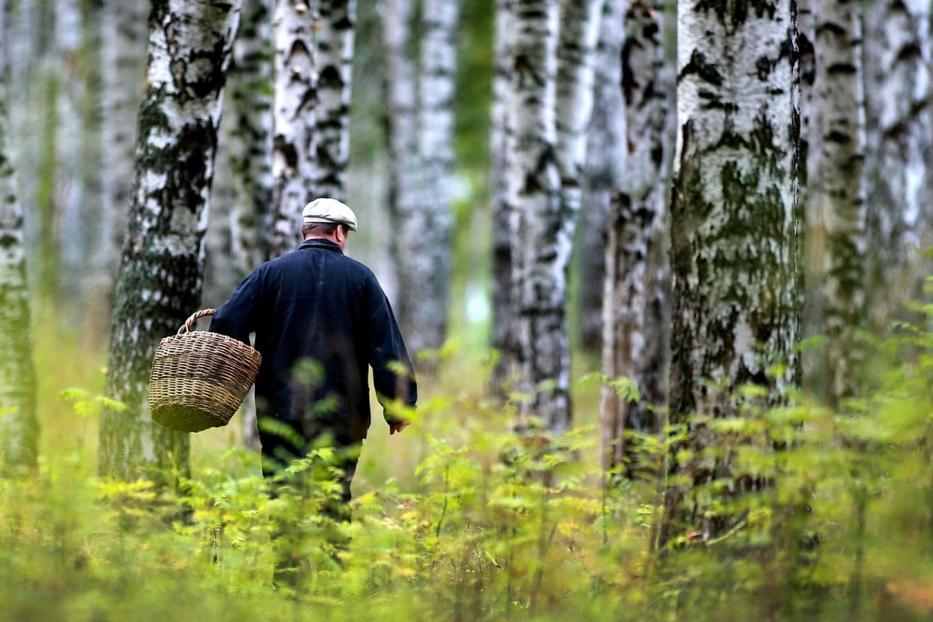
[498, 188]
[69, 198]
[539, 248]
[420, 94]
[123, 73]
[735, 224]
[605, 155]
[839, 221]
[579, 33]
[897, 124]
[19, 428]
[251, 126]
[734, 207]
[161, 272]
[334, 57]
[294, 121]
[637, 298]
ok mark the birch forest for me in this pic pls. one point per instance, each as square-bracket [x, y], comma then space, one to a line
[663, 268]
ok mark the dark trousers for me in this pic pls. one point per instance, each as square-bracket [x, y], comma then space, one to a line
[279, 448]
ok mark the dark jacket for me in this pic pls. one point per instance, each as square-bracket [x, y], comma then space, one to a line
[321, 319]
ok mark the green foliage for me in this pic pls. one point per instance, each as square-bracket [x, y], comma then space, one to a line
[489, 523]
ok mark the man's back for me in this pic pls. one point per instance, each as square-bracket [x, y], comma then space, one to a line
[320, 320]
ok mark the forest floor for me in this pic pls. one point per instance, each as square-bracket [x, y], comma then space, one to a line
[458, 518]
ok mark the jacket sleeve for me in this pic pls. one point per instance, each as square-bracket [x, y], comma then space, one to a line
[238, 316]
[393, 372]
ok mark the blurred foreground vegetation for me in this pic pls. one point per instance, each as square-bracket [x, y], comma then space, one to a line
[461, 519]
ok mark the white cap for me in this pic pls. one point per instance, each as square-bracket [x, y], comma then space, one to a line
[326, 210]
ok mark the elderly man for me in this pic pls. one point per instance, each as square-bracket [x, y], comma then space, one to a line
[321, 320]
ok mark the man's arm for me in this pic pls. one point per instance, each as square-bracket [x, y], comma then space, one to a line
[393, 372]
[237, 317]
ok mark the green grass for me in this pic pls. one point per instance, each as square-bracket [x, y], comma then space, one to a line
[460, 519]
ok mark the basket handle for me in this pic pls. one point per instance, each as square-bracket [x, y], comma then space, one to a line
[188, 326]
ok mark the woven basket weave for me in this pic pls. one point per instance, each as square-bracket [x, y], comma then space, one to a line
[199, 379]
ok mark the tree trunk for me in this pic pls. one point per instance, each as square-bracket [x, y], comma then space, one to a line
[735, 228]
[163, 258]
[251, 85]
[69, 200]
[420, 92]
[90, 169]
[897, 121]
[605, 153]
[502, 335]
[19, 428]
[296, 100]
[637, 287]
[838, 198]
[811, 151]
[123, 72]
[579, 35]
[334, 57]
[539, 247]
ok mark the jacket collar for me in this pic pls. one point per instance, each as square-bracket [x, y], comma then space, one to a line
[322, 243]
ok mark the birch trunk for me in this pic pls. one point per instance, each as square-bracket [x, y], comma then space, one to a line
[426, 307]
[163, 258]
[896, 125]
[637, 286]
[334, 57]
[502, 336]
[294, 120]
[605, 155]
[123, 72]
[539, 246]
[402, 137]
[735, 227]
[579, 35]
[250, 119]
[68, 191]
[19, 428]
[90, 169]
[811, 150]
[420, 91]
[839, 199]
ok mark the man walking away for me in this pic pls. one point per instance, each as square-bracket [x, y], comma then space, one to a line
[321, 320]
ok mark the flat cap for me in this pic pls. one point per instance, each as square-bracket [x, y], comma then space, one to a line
[326, 210]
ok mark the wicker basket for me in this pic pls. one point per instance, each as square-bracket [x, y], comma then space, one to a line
[199, 379]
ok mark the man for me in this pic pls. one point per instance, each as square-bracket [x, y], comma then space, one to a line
[321, 319]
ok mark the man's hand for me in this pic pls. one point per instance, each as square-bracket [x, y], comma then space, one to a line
[398, 426]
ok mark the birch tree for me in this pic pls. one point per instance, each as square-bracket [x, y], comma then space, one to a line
[420, 95]
[545, 155]
[69, 200]
[605, 155]
[311, 145]
[498, 190]
[838, 197]
[331, 150]
[897, 126]
[123, 72]
[250, 119]
[163, 258]
[579, 35]
[294, 120]
[19, 428]
[637, 286]
[735, 227]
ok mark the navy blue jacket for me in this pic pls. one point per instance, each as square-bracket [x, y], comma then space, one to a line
[321, 319]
